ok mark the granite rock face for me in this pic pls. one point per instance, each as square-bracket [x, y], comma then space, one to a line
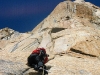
[68, 26]
[70, 34]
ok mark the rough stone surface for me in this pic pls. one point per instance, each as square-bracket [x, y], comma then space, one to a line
[79, 0]
[70, 34]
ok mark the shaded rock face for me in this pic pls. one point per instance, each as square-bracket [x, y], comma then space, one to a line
[70, 34]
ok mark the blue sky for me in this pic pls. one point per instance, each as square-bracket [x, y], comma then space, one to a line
[24, 15]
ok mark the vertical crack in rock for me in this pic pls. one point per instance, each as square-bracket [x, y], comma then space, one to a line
[31, 44]
[14, 47]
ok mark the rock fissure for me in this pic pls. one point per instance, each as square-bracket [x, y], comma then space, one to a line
[55, 30]
[80, 52]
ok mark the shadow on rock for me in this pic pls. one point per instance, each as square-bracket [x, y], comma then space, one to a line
[34, 73]
[37, 73]
[48, 67]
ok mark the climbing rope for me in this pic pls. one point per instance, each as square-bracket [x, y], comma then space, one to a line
[43, 71]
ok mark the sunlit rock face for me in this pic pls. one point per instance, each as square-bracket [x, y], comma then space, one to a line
[79, 0]
[70, 35]
[71, 24]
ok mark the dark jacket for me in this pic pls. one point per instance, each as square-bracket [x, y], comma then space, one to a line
[37, 58]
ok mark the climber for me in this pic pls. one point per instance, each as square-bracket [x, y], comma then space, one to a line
[37, 60]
